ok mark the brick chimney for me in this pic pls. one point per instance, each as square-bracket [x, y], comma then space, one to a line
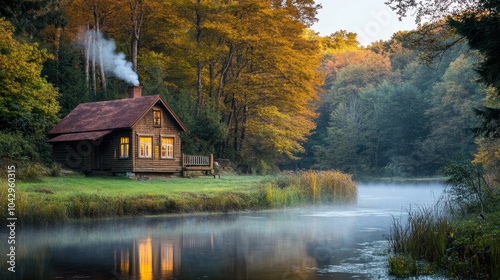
[134, 91]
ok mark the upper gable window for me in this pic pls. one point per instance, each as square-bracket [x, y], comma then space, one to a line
[156, 117]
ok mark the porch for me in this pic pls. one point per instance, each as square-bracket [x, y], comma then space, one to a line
[198, 163]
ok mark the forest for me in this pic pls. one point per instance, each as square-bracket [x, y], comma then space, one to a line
[252, 82]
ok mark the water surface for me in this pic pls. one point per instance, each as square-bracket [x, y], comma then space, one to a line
[328, 242]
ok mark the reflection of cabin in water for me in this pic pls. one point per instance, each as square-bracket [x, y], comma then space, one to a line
[212, 255]
[149, 259]
[139, 134]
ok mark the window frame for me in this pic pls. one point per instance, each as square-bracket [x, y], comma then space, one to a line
[139, 147]
[157, 121]
[172, 145]
[124, 147]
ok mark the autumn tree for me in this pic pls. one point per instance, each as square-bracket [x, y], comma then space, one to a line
[477, 22]
[248, 63]
[31, 17]
[28, 103]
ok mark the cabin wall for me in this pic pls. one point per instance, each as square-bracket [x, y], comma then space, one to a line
[73, 155]
[145, 127]
[120, 165]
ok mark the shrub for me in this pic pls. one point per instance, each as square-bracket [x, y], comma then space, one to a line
[32, 172]
[55, 170]
[468, 190]
[15, 147]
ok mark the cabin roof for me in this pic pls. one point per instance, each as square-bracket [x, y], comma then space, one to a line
[109, 115]
[91, 136]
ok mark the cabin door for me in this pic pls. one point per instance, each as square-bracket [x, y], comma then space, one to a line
[96, 158]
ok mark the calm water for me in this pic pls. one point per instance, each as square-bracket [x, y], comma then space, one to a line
[311, 243]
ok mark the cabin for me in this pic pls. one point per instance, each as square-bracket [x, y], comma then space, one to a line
[137, 135]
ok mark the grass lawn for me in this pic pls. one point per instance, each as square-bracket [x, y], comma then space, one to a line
[64, 187]
[58, 199]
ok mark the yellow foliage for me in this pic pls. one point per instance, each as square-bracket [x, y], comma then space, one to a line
[488, 155]
[24, 90]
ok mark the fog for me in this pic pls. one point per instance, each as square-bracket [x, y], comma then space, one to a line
[327, 242]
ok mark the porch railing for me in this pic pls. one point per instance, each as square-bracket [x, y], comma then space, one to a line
[192, 160]
[198, 163]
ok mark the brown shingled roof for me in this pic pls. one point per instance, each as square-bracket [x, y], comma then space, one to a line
[108, 115]
[92, 135]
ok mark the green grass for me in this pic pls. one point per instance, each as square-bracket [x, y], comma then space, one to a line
[432, 241]
[64, 187]
[59, 199]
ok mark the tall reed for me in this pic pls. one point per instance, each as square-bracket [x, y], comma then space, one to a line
[306, 187]
[420, 243]
[432, 240]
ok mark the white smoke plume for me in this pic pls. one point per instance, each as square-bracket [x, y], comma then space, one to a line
[103, 51]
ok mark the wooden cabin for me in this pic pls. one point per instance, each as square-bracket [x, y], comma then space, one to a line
[139, 135]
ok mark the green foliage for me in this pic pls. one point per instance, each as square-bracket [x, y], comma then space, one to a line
[29, 102]
[32, 172]
[406, 266]
[468, 190]
[391, 115]
[55, 170]
[67, 74]
[462, 241]
[31, 17]
[474, 246]
[16, 147]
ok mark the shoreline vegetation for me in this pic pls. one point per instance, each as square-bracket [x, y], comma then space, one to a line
[459, 237]
[61, 199]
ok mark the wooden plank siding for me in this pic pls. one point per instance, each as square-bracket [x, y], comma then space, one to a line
[73, 155]
[120, 165]
[168, 128]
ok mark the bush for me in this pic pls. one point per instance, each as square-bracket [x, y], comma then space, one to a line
[32, 172]
[468, 190]
[55, 170]
[14, 146]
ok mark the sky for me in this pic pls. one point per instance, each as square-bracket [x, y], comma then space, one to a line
[372, 20]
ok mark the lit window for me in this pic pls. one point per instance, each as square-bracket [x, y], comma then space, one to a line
[157, 118]
[145, 147]
[124, 147]
[167, 147]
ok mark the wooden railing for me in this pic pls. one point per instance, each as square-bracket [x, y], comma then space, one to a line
[198, 163]
[190, 160]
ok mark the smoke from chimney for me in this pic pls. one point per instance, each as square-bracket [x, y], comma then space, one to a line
[112, 62]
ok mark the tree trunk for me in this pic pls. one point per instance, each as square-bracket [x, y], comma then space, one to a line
[137, 9]
[223, 75]
[99, 48]
[88, 49]
[199, 69]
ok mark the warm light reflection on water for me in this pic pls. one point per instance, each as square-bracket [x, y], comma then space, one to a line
[151, 258]
[145, 254]
[325, 242]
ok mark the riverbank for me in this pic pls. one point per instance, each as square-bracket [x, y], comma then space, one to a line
[457, 237]
[60, 199]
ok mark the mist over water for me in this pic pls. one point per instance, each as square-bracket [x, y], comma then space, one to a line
[327, 242]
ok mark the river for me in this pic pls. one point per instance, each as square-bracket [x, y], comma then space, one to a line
[327, 242]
